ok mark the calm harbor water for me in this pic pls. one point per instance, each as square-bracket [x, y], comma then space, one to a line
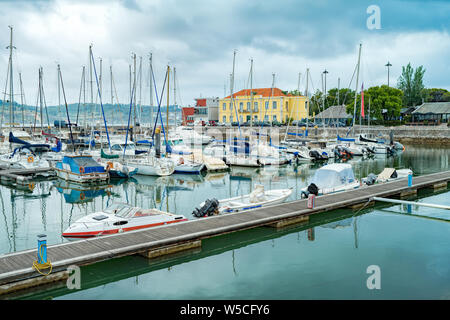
[324, 259]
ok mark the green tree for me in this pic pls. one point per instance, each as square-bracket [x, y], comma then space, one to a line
[411, 83]
[436, 95]
[381, 98]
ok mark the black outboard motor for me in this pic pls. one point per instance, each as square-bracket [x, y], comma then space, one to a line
[317, 156]
[312, 189]
[211, 207]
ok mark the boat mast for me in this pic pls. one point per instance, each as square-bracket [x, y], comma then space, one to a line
[231, 92]
[11, 86]
[307, 99]
[92, 92]
[175, 95]
[112, 93]
[151, 89]
[41, 98]
[251, 95]
[168, 95]
[298, 109]
[59, 97]
[140, 94]
[134, 92]
[356, 90]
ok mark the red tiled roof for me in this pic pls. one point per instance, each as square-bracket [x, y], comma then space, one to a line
[265, 92]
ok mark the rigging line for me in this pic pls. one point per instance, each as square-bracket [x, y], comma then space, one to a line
[79, 97]
[100, 98]
[43, 96]
[158, 113]
[128, 125]
[4, 95]
[117, 97]
[67, 109]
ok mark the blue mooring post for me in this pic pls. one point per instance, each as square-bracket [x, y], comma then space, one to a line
[409, 180]
[42, 249]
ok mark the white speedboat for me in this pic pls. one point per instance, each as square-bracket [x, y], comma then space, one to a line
[257, 199]
[119, 218]
[331, 178]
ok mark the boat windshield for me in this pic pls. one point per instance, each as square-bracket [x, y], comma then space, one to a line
[120, 210]
[326, 178]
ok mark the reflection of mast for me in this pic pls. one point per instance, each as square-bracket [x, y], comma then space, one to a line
[6, 220]
[311, 234]
[355, 232]
[232, 260]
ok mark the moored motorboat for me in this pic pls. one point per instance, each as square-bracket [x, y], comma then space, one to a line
[81, 169]
[256, 199]
[331, 178]
[119, 218]
[388, 174]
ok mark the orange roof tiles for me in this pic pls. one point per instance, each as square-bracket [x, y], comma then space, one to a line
[265, 92]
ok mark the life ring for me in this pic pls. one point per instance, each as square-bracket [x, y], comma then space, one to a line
[30, 159]
[181, 160]
[109, 165]
[31, 186]
[81, 169]
[82, 196]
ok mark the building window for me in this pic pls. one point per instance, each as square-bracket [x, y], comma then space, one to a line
[287, 106]
[240, 118]
[274, 105]
[224, 106]
[224, 119]
[241, 106]
[267, 105]
[256, 118]
[255, 106]
[248, 106]
[274, 118]
[266, 118]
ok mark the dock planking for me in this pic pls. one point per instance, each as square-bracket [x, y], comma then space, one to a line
[17, 266]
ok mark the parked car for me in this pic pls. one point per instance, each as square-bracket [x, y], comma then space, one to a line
[212, 123]
[276, 123]
[200, 123]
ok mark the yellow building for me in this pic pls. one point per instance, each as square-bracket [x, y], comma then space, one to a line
[268, 105]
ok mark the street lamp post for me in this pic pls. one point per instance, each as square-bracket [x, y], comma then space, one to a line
[388, 65]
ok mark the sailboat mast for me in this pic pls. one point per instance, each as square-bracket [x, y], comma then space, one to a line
[11, 86]
[251, 93]
[151, 88]
[134, 91]
[92, 87]
[59, 98]
[41, 97]
[140, 93]
[356, 89]
[307, 98]
[175, 95]
[168, 95]
[298, 109]
[112, 93]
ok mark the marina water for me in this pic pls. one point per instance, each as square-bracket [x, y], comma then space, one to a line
[326, 258]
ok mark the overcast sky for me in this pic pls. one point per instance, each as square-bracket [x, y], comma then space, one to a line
[283, 37]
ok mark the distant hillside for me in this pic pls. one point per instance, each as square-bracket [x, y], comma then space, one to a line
[113, 113]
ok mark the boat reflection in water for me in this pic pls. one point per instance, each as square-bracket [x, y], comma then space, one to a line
[77, 193]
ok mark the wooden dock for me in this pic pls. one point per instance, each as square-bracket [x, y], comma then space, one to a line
[24, 176]
[16, 267]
